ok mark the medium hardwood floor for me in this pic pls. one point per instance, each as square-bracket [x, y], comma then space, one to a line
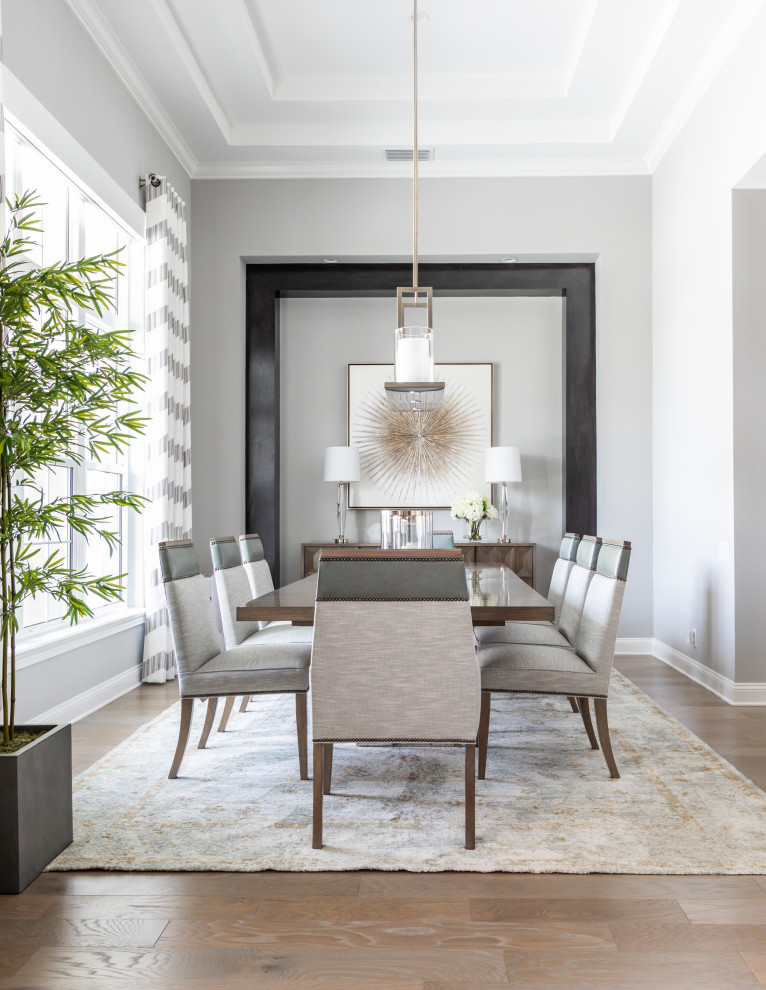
[350, 931]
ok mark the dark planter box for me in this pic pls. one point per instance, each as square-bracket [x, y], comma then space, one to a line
[35, 806]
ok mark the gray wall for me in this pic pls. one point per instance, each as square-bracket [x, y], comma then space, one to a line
[459, 218]
[749, 268]
[695, 395]
[54, 60]
[522, 337]
[48, 51]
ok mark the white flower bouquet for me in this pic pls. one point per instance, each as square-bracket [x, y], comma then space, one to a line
[473, 508]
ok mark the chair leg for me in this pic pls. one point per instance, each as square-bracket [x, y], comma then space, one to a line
[327, 768]
[226, 712]
[187, 706]
[245, 702]
[212, 704]
[470, 797]
[573, 703]
[300, 721]
[603, 734]
[486, 701]
[316, 838]
[586, 721]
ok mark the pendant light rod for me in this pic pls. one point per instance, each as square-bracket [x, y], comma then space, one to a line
[415, 147]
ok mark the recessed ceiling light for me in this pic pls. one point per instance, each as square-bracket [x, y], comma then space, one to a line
[509, 261]
[330, 261]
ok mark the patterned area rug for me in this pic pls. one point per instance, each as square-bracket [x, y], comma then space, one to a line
[547, 805]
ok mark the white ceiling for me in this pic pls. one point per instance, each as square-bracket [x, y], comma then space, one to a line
[507, 87]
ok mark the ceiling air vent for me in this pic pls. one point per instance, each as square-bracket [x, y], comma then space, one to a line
[405, 154]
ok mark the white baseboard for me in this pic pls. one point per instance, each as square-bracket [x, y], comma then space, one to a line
[73, 709]
[732, 692]
[638, 646]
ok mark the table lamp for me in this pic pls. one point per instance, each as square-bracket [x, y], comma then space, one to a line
[341, 464]
[501, 465]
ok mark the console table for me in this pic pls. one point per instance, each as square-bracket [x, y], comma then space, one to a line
[519, 557]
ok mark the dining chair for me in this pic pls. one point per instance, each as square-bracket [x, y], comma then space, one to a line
[572, 574]
[582, 673]
[207, 672]
[559, 593]
[233, 587]
[444, 539]
[256, 566]
[393, 659]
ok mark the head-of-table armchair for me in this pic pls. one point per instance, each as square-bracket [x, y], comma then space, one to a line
[204, 670]
[393, 659]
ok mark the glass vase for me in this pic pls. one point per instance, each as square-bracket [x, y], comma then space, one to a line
[474, 531]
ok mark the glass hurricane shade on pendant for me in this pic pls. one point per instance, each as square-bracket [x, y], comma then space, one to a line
[414, 388]
[501, 465]
[341, 464]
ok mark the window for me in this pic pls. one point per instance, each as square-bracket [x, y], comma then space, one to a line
[75, 224]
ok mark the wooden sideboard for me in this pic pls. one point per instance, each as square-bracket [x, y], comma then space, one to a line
[520, 557]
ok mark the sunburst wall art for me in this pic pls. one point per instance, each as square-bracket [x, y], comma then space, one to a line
[419, 460]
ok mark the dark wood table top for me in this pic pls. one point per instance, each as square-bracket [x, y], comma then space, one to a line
[496, 594]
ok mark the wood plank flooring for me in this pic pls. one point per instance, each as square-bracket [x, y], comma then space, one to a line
[395, 931]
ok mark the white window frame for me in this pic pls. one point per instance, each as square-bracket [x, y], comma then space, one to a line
[51, 637]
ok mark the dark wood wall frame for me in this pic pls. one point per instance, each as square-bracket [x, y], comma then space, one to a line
[266, 284]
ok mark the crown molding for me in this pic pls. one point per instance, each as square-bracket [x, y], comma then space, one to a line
[726, 40]
[647, 58]
[253, 30]
[579, 47]
[178, 40]
[403, 170]
[113, 51]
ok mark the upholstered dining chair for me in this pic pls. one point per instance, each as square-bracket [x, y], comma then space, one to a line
[551, 633]
[256, 566]
[233, 587]
[444, 539]
[205, 671]
[572, 574]
[393, 659]
[582, 673]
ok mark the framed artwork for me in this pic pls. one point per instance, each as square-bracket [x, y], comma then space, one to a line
[419, 460]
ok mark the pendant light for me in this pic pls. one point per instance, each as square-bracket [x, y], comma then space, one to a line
[414, 388]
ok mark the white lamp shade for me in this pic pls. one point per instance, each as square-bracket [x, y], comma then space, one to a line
[502, 464]
[341, 464]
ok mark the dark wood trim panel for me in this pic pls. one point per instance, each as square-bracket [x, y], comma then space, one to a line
[267, 284]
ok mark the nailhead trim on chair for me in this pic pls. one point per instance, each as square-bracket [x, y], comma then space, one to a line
[347, 599]
[561, 694]
[228, 694]
[439, 742]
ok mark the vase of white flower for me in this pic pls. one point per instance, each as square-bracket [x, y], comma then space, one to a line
[473, 509]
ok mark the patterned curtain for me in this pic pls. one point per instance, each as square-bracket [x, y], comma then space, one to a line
[168, 462]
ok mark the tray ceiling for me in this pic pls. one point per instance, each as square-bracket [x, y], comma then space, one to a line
[507, 87]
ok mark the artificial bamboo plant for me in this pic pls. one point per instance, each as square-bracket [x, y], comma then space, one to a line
[67, 395]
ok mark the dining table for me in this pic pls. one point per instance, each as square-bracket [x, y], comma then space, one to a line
[496, 595]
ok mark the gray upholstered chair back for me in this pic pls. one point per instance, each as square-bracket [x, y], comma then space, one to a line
[233, 589]
[256, 566]
[561, 570]
[444, 539]
[603, 602]
[192, 625]
[577, 586]
[393, 656]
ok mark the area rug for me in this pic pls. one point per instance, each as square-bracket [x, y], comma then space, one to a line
[547, 805]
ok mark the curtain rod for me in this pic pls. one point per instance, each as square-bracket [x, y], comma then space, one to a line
[152, 178]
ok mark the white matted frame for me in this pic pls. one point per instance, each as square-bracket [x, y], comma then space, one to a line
[420, 460]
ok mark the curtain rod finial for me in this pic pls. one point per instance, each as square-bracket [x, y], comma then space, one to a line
[150, 179]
